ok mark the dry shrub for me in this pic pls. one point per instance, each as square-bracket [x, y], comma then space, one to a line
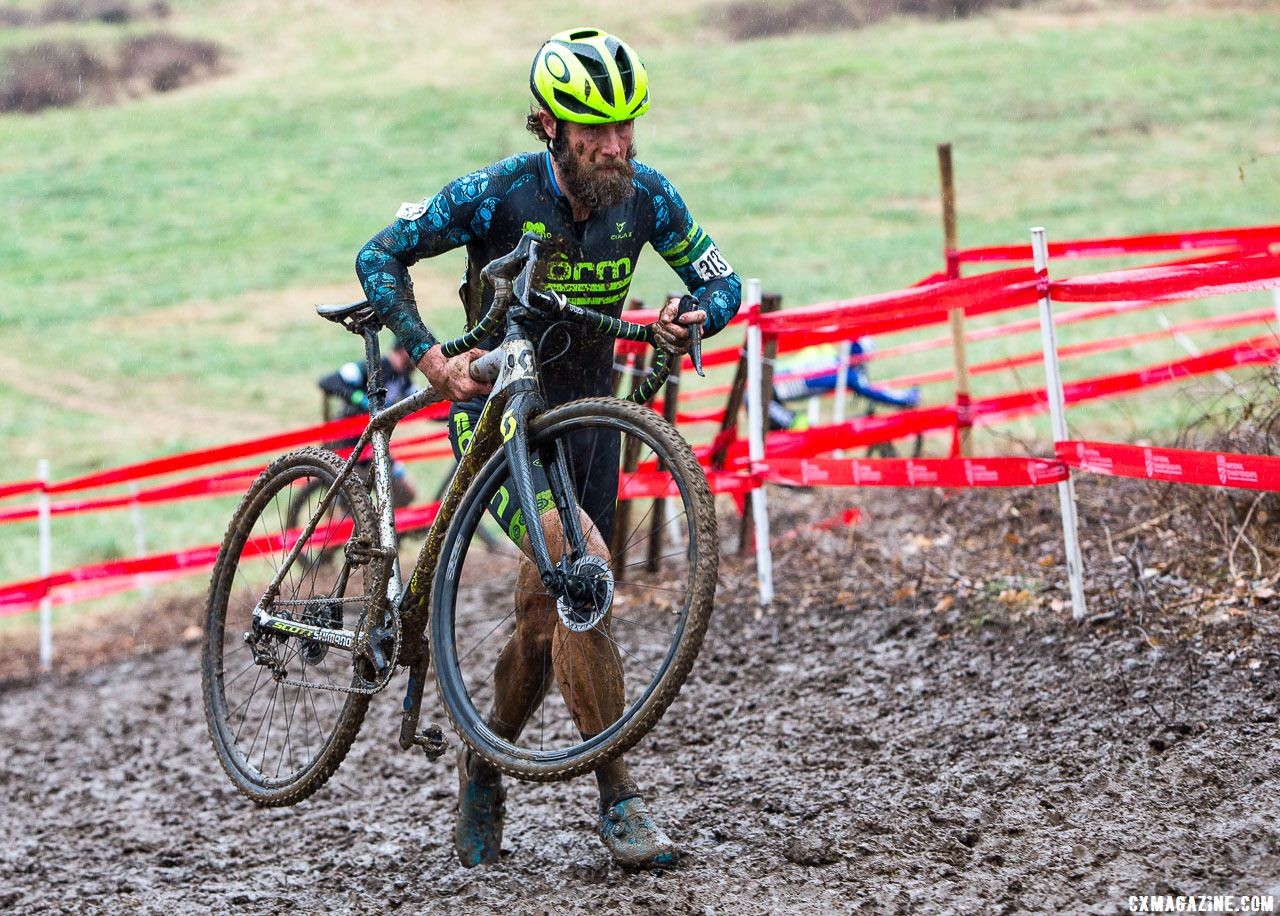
[1234, 529]
[748, 19]
[165, 62]
[12, 19]
[53, 74]
[109, 11]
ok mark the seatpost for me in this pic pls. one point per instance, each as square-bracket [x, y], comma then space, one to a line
[374, 391]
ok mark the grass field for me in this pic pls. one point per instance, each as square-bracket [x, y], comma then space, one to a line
[160, 256]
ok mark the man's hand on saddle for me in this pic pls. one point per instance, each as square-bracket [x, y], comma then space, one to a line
[672, 330]
[450, 376]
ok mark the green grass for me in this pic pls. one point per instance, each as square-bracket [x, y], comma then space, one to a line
[159, 257]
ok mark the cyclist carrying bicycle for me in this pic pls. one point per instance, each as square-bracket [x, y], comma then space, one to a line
[598, 206]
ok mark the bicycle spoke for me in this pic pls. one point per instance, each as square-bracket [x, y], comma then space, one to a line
[480, 641]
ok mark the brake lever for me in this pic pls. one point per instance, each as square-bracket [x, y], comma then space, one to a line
[689, 304]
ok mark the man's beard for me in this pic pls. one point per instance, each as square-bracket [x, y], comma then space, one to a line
[594, 185]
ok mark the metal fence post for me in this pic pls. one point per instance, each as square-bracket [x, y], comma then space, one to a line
[1058, 417]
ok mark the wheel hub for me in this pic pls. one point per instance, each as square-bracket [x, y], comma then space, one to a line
[588, 593]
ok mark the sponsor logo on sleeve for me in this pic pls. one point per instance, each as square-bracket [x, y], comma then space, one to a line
[413, 211]
[538, 229]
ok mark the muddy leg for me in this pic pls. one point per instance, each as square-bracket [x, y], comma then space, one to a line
[586, 665]
[589, 672]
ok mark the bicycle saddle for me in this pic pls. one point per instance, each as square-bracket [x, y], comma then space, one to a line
[341, 313]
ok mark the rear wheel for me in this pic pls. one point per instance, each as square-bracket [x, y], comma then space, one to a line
[637, 626]
[282, 710]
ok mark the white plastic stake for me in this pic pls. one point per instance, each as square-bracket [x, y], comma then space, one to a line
[46, 567]
[757, 397]
[139, 538]
[1058, 416]
[842, 385]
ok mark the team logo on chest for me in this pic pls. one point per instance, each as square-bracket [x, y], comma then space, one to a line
[620, 232]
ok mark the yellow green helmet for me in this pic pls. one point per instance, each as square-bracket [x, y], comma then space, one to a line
[589, 77]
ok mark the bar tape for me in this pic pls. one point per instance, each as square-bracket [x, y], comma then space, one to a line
[1212, 469]
[912, 472]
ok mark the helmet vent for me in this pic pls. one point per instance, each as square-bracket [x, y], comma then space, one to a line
[568, 102]
[599, 75]
[583, 33]
[623, 59]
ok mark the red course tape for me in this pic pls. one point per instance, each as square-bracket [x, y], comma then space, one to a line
[1213, 469]
[912, 472]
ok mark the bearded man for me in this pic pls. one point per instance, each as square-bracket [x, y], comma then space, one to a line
[601, 206]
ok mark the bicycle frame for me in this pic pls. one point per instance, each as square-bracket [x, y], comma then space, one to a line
[503, 423]
[401, 610]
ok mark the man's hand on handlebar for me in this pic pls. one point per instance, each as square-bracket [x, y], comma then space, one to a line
[450, 377]
[671, 332]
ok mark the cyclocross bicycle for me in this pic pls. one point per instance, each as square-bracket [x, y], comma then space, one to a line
[306, 623]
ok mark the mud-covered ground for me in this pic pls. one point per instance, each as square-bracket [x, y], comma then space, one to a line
[914, 729]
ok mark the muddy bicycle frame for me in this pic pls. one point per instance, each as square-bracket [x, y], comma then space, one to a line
[503, 423]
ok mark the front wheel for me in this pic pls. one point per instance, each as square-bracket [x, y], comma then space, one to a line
[547, 689]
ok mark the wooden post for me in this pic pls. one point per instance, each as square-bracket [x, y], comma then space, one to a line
[630, 460]
[670, 401]
[732, 408]
[770, 302]
[964, 428]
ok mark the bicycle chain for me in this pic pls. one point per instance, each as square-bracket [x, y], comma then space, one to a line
[393, 613]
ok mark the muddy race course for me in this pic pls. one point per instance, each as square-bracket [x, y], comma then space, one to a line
[916, 729]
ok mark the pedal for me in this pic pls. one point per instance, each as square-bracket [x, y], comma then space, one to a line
[432, 741]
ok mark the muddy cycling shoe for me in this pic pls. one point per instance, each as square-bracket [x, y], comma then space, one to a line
[477, 836]
[632, 838]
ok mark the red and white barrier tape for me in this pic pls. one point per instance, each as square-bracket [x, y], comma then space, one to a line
[912, 472]
[1212, 469]
[1248, 237]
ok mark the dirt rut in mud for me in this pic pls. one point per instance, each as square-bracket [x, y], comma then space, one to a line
[861, 749]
